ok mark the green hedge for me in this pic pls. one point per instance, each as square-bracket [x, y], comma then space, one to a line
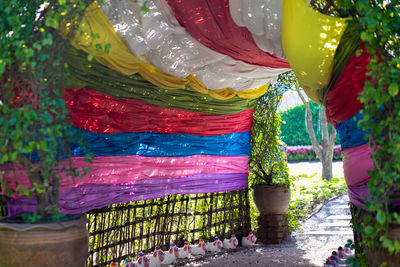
[293, 127]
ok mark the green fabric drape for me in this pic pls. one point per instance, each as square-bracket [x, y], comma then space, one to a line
[93, 75]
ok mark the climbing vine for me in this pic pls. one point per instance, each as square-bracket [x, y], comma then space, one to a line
[34, 131]
[380, 28]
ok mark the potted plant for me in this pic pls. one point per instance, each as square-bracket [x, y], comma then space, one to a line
[268, 172]
[35, 133]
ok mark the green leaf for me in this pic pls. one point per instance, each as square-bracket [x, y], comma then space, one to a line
[51, 22]
[381, 217]
[144, 9]
[393, 89]
[365, 36]
[90, 57]
[369, 230]
[107, 48]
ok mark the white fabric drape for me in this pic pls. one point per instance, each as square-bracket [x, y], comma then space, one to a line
[263, 18]
[157, 37]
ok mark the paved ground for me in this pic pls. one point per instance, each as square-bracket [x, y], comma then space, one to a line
[314, 167]
[322, 233]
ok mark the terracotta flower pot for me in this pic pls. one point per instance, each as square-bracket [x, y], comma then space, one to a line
[271, 199]
[47, 244]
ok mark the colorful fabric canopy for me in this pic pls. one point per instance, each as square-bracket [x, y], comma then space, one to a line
[157, 36]
[166, 106]
[116, 55]
[210, 22]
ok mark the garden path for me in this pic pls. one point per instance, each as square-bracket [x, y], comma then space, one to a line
[319, 235]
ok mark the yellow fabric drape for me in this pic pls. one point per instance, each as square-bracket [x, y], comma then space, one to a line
[121, 59]
[309, 41]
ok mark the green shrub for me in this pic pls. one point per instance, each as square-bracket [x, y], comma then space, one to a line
[293, 127]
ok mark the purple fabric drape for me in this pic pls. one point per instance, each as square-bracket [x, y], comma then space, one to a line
[92, 196]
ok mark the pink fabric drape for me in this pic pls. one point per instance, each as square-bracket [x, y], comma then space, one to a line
[356, 163]
[210, 22]
[126, 169]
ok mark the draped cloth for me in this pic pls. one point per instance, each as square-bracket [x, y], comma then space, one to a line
[115, 55]
[309, 41]
[98, 77]
[125, 169]
[349, 133]
[153, 144]
[211, 23]
[86, 197]
[342, 99]
[97, 112]
[159, 38]
[263, 18]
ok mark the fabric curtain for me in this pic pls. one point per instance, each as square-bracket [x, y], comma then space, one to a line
[342, 99]
[93, 75]
[210, 22]
[159, 38]
[118, 57]
[93, 196]
[97, 112]
[263, 18]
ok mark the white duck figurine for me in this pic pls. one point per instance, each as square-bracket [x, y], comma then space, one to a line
[142, 260]
[231, 242]
[215, 246]
[199, 249]
[248, 241]
[156, 258]
[344, 253]
[185, 251]
[171, 255]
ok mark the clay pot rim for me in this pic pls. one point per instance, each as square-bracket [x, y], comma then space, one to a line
[47, 226]
[286, 188]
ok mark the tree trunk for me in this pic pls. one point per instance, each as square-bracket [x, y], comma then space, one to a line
[324, 151]
[34, 175]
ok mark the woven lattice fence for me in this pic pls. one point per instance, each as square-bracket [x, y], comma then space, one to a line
[122, 230]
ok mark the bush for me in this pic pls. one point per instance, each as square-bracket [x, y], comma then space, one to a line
[293, 127]
[307, 153]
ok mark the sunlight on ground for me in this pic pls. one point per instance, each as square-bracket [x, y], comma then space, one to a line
[314, 167]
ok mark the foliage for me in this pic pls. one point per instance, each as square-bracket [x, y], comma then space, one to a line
[307, 153]
[380, 28]
[34, 133]
[293, 128]
[267, 164]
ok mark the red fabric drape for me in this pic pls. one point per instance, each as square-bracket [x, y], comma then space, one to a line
[342, 99]
[210, 22]
[97, 112]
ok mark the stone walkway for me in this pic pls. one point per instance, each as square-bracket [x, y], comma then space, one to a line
[322, 233]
